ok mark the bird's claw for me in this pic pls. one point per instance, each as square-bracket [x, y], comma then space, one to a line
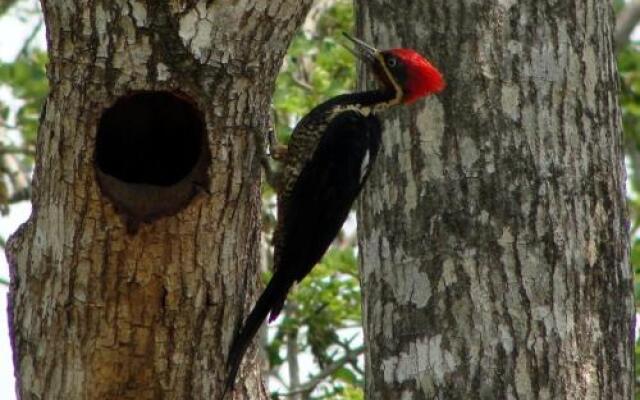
[277, 151]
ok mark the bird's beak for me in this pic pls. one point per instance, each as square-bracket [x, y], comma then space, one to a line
[362, 50]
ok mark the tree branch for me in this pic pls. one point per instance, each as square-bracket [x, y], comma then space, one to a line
[27, 151]
[18, 176]
[20, 195]
[311, 384]
[5, 5]
[29, 40]
[319, 7]
[627, 19]
[303, 84]
[292, 355]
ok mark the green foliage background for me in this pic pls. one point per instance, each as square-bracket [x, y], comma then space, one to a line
[323, 312]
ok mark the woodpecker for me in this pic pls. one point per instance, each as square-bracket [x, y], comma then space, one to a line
[328, 160]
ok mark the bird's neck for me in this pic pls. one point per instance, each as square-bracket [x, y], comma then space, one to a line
[367, 102]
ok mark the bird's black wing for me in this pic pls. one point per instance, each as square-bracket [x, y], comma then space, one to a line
[316, 207]
[319, 201]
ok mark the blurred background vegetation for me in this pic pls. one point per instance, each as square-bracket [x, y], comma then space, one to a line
[314, 351]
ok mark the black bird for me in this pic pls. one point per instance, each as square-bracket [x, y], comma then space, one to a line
[329, 158]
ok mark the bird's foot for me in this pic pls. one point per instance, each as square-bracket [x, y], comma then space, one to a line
[277, 151]
[272, 177]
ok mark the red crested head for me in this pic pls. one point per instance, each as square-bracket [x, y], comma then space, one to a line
[415, 74]
[406, 74]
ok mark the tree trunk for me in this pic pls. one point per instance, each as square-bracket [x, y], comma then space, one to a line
[493, 231]
[129, 282]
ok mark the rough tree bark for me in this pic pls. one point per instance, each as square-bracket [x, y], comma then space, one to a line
[104, 305]
[493, 231]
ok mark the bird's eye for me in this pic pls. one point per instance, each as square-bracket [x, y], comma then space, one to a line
[392, 62]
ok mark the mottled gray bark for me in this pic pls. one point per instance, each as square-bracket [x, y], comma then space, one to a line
[101, 313]
[493, 230]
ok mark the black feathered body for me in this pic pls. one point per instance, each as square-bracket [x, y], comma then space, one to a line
[329, 158]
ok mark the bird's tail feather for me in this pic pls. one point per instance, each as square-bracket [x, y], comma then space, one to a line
[271, 300]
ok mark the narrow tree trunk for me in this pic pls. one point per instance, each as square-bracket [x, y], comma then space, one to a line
[293, 351]
[127, 283]
[493, 232]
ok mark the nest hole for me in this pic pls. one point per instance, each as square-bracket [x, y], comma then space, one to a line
[151, 153]
[150, 137]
